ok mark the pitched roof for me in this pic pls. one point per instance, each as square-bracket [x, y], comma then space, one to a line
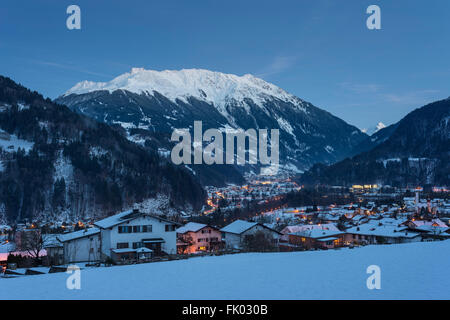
[435, 222]
[305, 227]
[113, 220]
[78, 234]
[318, 233]
[126, 216]
[191, 227]
[238, 226]
[391, 231]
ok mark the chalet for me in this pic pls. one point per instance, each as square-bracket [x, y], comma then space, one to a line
[235, 233]
[123, 235]
[316, 239]
[197, 237]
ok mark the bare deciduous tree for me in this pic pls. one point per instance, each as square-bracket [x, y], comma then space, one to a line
[31, 242]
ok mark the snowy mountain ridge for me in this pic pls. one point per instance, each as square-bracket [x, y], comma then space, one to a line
[209, 86]
[375, 129]
[150, 105]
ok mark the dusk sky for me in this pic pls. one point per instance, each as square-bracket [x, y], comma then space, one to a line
[319, 50]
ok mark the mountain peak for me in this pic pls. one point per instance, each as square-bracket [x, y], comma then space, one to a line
[375, 129]
[210, 86]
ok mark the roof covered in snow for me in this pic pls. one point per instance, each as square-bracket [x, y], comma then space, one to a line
[435, 222]
[238, 226]
[383, 230]
[191, 227]
[318, 233]
[78, 234]
[306, 227]
[127, 216]
[113, 220]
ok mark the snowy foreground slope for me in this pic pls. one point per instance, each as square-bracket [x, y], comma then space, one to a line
[408, 271]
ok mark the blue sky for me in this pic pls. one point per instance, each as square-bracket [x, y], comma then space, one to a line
[319, 50]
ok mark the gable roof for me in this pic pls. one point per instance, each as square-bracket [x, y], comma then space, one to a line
[240, 226]
[306, 227]
[318, 233]
[423, 223]
[385, 230]
[114, 220]
[191, 227]
[78, 234]
[127, 216]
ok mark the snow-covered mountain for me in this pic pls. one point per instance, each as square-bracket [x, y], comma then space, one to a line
[374, 129]
[217, 88]
[160, 101]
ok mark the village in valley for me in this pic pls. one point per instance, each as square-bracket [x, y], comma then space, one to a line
[376, 216]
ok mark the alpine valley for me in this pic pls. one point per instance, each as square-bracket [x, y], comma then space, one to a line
[150, 105]
[413, 152]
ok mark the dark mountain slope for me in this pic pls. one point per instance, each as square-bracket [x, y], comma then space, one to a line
[57, 164]
[417, 152]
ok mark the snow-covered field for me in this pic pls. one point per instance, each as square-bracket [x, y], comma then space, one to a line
[408, 271]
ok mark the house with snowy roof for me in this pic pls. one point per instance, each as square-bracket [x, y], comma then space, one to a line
[78, 246]
[317, 237]
[430, 229]
[305, 227]
[198, 237]
[129, 235]
[381, 231]
[132, 234]
[236, 232]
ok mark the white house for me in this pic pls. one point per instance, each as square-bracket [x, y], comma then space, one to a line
[128, 235]
[234, 234]
[81, 246]
[125, 234]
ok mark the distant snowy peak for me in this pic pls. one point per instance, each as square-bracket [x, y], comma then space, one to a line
[380, 126]
[375, 129]
[214, 87]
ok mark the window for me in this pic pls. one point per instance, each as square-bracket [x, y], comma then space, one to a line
[137, 245]
[170, 227]
[148, 228]
[136, 229]
[125, 229]
[122, 245]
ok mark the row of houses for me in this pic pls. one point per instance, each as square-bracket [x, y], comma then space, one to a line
[381, 231]
[135, 235]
